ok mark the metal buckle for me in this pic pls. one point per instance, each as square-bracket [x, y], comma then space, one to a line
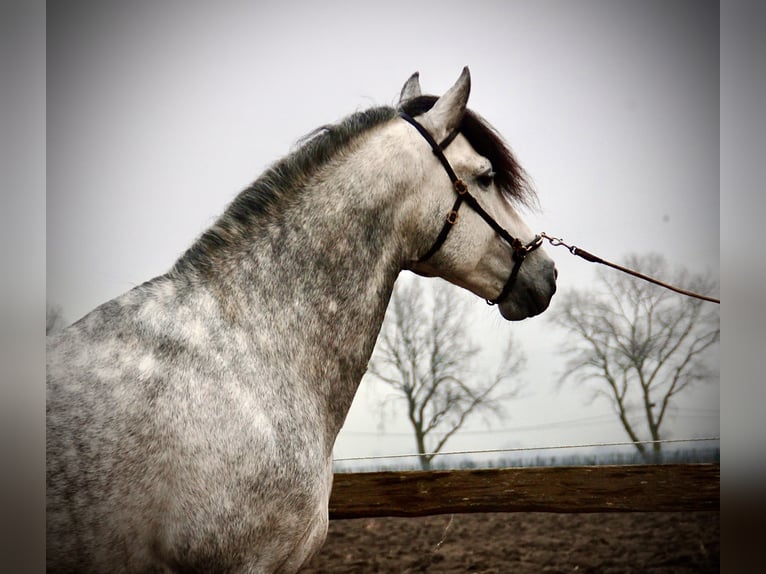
[460, 187]
[452, 217]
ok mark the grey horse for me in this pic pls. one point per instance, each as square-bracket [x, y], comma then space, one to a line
[191, 420]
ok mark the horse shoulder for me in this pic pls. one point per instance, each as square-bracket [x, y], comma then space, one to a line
[151, 403]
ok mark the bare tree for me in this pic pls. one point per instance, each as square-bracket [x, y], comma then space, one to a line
[54, 319]
[425, 353]
[640, 344]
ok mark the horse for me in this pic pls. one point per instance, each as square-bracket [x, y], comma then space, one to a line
[191, 420]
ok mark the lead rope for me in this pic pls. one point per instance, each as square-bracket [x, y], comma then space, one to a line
[574, 250]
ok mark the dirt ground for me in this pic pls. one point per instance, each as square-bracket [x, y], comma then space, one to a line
[646, 543]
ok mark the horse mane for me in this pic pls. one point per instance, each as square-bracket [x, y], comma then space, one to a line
[313, 152]
[287, 176]
[283, 179]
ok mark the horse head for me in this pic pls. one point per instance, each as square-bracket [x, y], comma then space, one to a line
[485, 247]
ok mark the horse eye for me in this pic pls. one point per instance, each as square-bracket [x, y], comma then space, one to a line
[486, 178]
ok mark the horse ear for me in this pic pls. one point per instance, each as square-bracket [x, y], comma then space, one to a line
[447, 113]
[411, 88]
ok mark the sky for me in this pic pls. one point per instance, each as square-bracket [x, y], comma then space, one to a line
[159, 113]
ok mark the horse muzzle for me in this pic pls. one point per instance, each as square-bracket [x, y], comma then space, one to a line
[533, 291]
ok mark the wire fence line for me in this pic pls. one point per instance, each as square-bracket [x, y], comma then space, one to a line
[527, 449]
[605, 418]
[597, 419]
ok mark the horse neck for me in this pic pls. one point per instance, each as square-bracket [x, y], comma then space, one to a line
[310, 283]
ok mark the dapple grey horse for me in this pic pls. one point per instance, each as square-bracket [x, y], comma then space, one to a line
[191, 420]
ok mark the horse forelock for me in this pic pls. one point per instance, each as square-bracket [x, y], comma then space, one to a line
[510, 177]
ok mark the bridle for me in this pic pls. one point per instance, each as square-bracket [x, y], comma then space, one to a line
[520, 249]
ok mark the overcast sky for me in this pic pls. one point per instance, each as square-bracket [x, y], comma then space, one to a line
[159, 113]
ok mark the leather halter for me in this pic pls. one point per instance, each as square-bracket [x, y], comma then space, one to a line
[520, 250]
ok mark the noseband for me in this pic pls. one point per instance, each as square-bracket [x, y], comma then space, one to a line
[520, 250]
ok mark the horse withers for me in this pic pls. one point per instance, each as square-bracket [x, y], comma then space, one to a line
[191, 420]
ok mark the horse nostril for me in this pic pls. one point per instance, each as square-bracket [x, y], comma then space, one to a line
[555, 273]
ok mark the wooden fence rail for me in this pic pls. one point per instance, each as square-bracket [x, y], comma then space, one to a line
[630, 488]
